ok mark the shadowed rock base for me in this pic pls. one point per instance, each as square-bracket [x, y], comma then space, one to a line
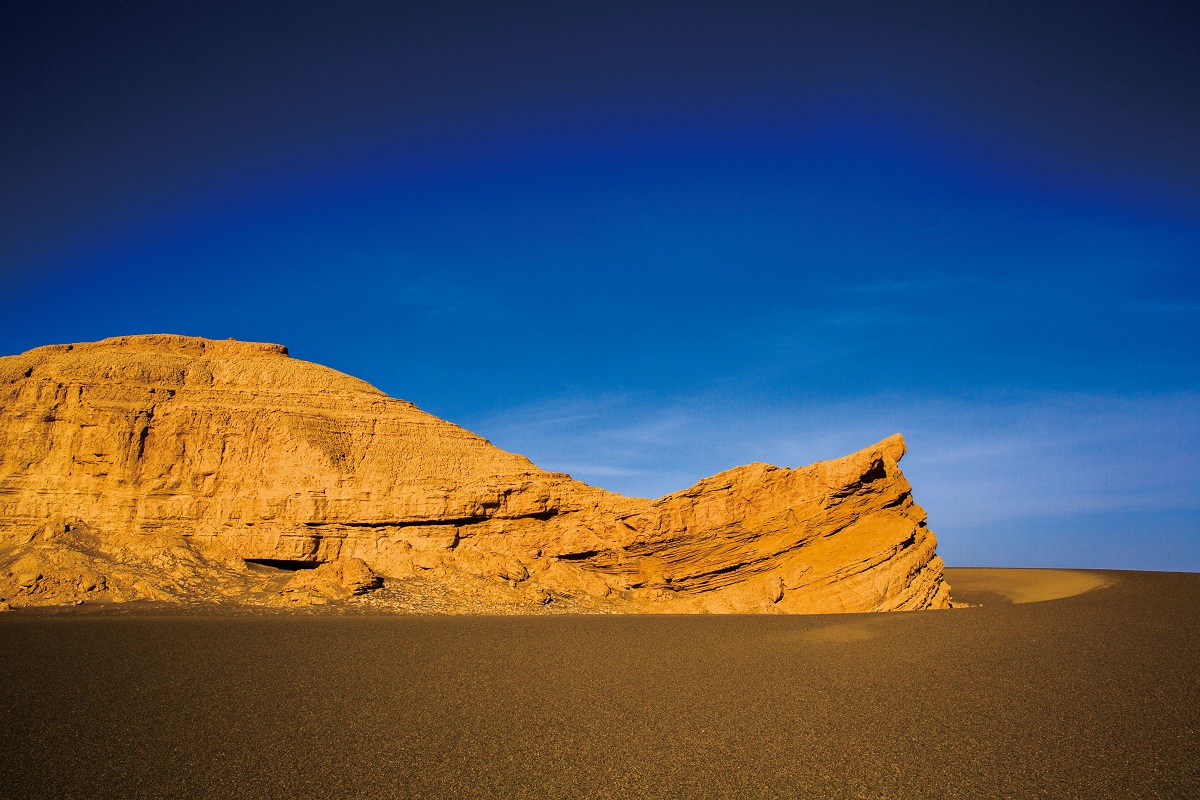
[154, 467]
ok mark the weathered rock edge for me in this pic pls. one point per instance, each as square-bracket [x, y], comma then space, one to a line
[155, 466]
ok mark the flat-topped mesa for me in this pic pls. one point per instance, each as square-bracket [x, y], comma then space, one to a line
[167, 344]
[213, 452]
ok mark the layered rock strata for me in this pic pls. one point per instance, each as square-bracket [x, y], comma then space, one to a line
[169, 467]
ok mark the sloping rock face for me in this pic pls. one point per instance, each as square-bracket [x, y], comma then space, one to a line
[171, 467]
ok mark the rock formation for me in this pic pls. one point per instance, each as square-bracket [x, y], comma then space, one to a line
[168, 467]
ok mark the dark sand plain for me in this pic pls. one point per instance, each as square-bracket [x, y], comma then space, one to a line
[1091, 695]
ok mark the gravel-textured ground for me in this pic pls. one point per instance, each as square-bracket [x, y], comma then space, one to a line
[1091, 696]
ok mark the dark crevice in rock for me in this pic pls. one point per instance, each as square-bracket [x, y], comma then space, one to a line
[397, 523]
[877, 472]
[141, 442]
[412, 523]
[539, 515]
[582, 556]
[291, 565]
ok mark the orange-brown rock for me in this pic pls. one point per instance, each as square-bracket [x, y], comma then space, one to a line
[168, 467]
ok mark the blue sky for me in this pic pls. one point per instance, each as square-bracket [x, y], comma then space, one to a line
[644, 244]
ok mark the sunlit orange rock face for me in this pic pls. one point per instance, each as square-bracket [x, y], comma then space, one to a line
[158, 464]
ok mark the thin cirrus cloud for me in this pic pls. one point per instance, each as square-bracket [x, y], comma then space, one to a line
[990, 470]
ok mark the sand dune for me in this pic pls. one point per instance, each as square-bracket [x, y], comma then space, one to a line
[980, 585]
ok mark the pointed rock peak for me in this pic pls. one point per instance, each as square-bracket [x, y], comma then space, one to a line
[892, 448]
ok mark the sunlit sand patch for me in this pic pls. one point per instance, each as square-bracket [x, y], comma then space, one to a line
[842, 633]
[982, 585]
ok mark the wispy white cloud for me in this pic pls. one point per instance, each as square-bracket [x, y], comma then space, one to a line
[976, 462]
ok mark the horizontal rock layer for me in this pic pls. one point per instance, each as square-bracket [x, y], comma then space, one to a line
[198, 455]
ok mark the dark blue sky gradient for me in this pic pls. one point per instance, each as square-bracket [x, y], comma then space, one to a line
[646, 243]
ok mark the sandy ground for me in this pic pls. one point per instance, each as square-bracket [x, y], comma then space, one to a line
[1094, 695]
[980, 585]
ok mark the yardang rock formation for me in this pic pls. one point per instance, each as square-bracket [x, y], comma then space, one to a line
[176, 468]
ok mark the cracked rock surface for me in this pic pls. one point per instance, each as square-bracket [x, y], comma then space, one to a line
[180, 469]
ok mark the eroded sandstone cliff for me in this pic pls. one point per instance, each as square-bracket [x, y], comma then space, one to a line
[168, 467]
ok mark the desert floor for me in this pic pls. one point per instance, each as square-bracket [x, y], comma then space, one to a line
[1093, 694]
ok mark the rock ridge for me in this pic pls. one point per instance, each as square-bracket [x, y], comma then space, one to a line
[172, 468]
